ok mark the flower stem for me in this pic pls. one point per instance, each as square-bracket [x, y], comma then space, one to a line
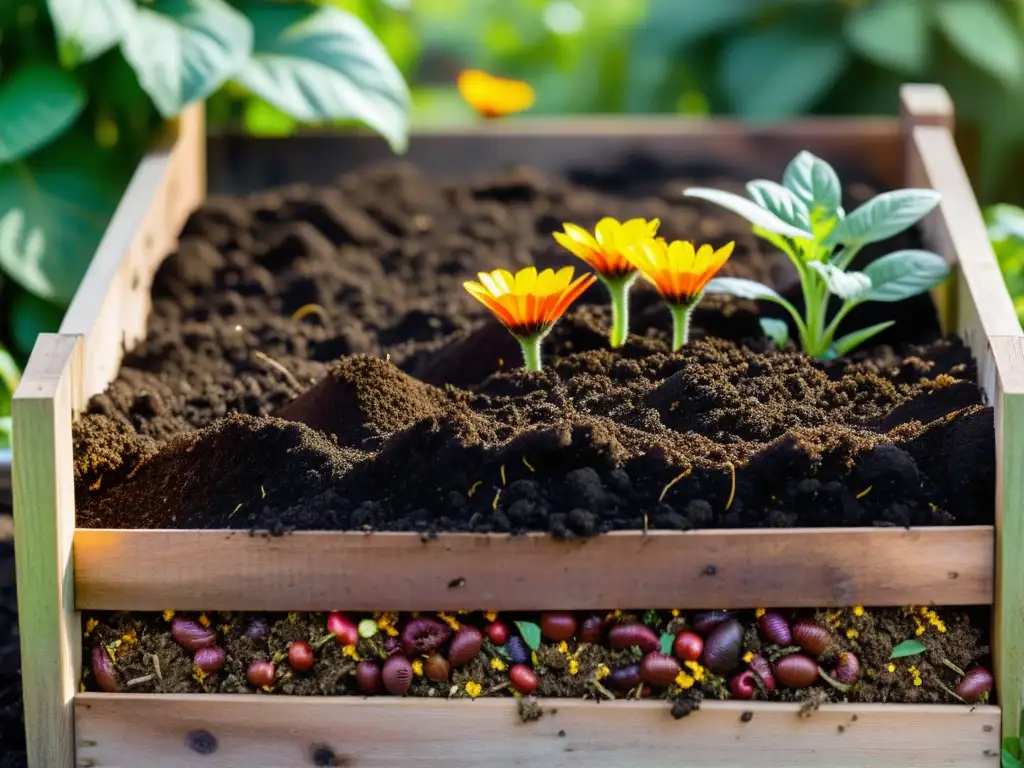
[680, 325]
[618, 291]
[531, 351]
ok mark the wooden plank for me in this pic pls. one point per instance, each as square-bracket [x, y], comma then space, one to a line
[44, 513]
[926, 104]
[1008, 620]
[864, 148]
[231, 570]
[167, 731]
[111, 306]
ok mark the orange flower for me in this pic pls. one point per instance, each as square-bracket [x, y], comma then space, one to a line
[528, 303]
[677, 269]
[494, 96]
[606, 250]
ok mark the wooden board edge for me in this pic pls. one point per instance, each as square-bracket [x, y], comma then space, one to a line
[926, 104]
[111, 306]
[161, 731]
[44, 513]
[153, 570]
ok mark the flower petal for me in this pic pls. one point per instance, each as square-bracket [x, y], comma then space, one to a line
[526, 281]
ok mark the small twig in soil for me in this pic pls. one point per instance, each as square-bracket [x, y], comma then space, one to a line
[528, 465]
[266, 359]
[949, 691]
[139, 681]
[156, 667]
[841, 687]
[495, 689]
[865, 492]
[497, 495]
[952, 666]
[310, 309]
[732, 486]
[323, 640]
[781, 651]
[673, 481]
[604, 692]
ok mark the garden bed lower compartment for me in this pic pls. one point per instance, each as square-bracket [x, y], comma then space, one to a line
[63, 570]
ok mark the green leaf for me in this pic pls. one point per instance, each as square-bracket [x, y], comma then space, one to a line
[742, 288]
[667, 641]
[749, 210]
[29, 317]
[530, 633]
[781, 202]
[184, 50]
[88, 28]
[909, 647]
[903, 274]
[775, 329]
[672, 24]
[38, 102]
[984, 34]
[891, 33]
[320, 64]
[780, 72]
[815, 182]
[846, 343]
[1009, 761]
[883, 216]
[54, 212]
[10, 374]
[848, 286]
[1011, 744]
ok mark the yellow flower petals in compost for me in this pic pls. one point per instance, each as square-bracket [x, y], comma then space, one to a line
[684, 681]
[858, 610]
[497, 664]
[491, 615]
[473, 689]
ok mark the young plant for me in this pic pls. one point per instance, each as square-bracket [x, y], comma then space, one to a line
[606, 252]
[680, 274]
[804, 218]
[528, 304]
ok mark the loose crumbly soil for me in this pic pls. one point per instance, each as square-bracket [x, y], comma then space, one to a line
[12, 723]
[392, 401]
[148, 660]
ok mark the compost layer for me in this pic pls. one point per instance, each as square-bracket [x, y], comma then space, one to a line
[313, 362]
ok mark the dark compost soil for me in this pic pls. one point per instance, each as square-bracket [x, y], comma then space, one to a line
[147, 659]
[396, 403]
[12, 724]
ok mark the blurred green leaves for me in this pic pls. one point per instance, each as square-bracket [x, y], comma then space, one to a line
[85, 29]
[38, 102]
[1006, 231]
[891, 33]
[984, 33]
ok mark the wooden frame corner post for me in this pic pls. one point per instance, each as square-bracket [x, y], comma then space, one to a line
[44, 513]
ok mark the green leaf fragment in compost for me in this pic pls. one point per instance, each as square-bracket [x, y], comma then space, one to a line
[530, 633]
[667, 640]
[909, 647]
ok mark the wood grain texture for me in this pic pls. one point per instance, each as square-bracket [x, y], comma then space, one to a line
[1008, 619]
[156, 731]
[231, 570]
[868, 147]
[111, 306]
[44, 513]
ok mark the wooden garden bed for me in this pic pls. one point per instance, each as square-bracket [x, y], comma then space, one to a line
[62, 571]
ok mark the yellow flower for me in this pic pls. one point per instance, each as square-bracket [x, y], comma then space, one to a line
[350, 651]
[852, 634]
[696, 669]
[528, 303]
[759, 613]
[605, 250]
[920, 630]
[203, 620]
[574, 667]
[128, 637]
[891, 667]
[451, 621]
[168, 614]
[675, 612]
[473, 689]
[497, 664]
[491, 615]
[494, 96]
[602, 672]
[417, 668]
[563, 647]
[917, 681]
[748, 656]
[90, 625]
[858, 610]
[684, 681]
[677, 269]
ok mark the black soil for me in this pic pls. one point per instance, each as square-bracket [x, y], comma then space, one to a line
[313, 362]
[146, 658]
[12, 724]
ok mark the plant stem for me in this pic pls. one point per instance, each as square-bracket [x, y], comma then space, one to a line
[618, 291]
[680, 324]
[531, 351]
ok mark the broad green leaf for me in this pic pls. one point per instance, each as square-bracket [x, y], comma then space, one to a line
[883, 216]
[667, 641]
[88, 28]
[5, 432]
[984, 34]
[815, 182]
[38, 102]
[54, 212]
[891, 33]
[846, 343]
[902, 274]
[781, 202]
[1009, 761]
[672, 24]
[29, 317]
[775, 329]
[184, 50]
[749, 210]
[909, 647]
[780, 71]
[530, 633]
[848, 286]
[743, 289]
[1011, 744]
[320, 64]
[10, 374]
